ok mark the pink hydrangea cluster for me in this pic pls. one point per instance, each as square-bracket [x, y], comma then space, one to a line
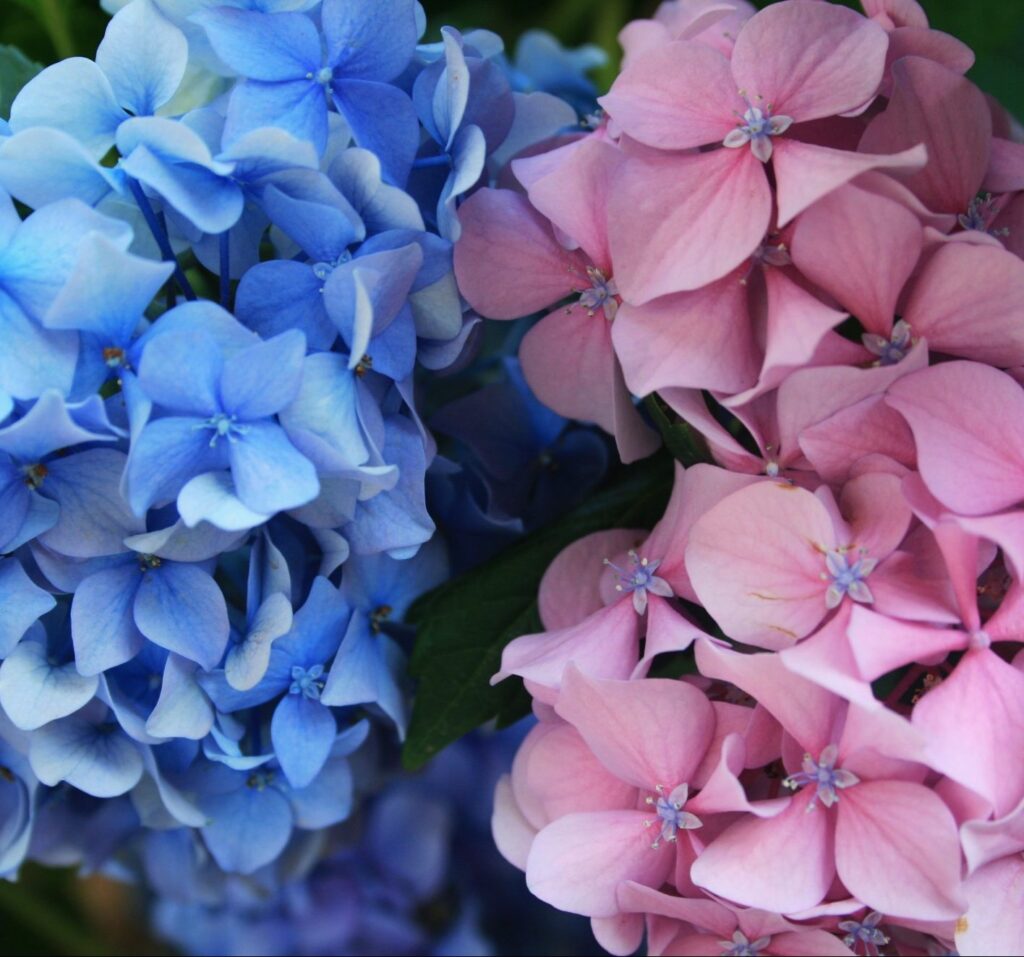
[802, 228]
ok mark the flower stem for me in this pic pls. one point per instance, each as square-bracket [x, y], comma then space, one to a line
[161, 237]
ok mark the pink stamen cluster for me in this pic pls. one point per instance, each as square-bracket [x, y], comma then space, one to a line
[840, 769]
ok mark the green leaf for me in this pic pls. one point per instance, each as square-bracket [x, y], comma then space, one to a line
[16, 70]
[685, 444]
[465, 624]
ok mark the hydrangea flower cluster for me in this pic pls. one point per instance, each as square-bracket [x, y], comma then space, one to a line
[801, 228]
[225, 250]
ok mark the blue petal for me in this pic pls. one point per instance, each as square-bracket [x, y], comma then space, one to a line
[33, 359]
[102, 625]
[22, 602]
[468, 157]
[369, 39]
[270, 474]
[328, 799]
[46, 427]
[249, 827]
[261, 380]
[303, 732]
[357, 174]
[374, 580]
[272, 48]
[298, 107]
[247, 661]
[16, 498]
[267, 152]
[144, 57]
[279, 295]
[310, 210]
[75, 96]
[318, 626]
[212, 498]
[180, 608]
[34, 692]
[383, 121]
[182, 710]
[179, 543]
[181, 372]
[167, 453]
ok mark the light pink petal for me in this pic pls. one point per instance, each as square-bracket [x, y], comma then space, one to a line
[881, 184]
[876, 512]
[620, 934]
[577, 862]
[897, 850]
[570, 187]
[512, 833]
[507, 261]
[932, 45]
[936, 106]
[879, 743]
[679, 222]
[650, 733]
[702, 912]
[901, 589]
[961, 554]
[570, 365]
[805, 173]
[808, 713]
[958, 412]
[781, 864]
[667, 630]
[975, 723]
[638, 37]
[696, 340]
[1006, 531]
[994, 921]
[756, 562]
[868, 427]
[723, 791]
[571, 587]
[1005, 167]
[605, 644]
[558, 775]
[860, 248]
[677, 96]
[896, 13]
[808, 943]
[880, 644]
[969, 301]
[809, 60]
[985, 841]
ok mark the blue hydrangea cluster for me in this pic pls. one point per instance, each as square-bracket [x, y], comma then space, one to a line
[225, 289]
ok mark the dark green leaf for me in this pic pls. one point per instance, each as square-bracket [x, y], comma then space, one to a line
[16, 70]
[465, 624]
[685, 443]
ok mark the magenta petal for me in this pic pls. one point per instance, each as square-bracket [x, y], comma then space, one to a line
[975, 722]
[810, 60]
[680, 222]
[804, 173]
[897, 850]
[1005, 168]
[935, 106]
[756, 562]
[651, 733]
[507, 261]
[952, 434]
[860, 248]
[747, 862]
[967, 302]
[577, 862]
[696, 340]
[676, 96]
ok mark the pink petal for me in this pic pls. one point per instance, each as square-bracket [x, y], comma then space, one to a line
[702, 912]
[808, 713]
[680, 222]
[967, 301]
[606, 644]
[880, 644]
[936, 106]
[931, 45]
[809, 60]
[571, 587]
[620, 934]
[901, 589]
[512, 833]
[507, 261]
[677, 96]
[570, 187]
[897, 850]
[570, 365]
[1005, 168]
[994, 922]
[985, 841]
[860, 248]
[808, 943]
[805, 173]
[975, 722]
[882, 184]
[577, 862]
[877, 513]
[698, 340]
[667, 630]
[958, 438]
[723, 791]
[650, 733]
[869, 427]
[748, 861]
[756, 562]
[896, 13]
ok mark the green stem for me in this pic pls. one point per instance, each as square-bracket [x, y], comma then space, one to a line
[51, 15]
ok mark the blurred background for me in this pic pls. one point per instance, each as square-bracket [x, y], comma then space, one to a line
[51, 912]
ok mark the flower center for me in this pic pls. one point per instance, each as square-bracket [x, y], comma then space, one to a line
[602, 294]
[847, 579]
[323, 76]
[671, 817]
[640, 579]
[890, 351]
[114, 357]
[757, 126]
[307, 682]
[149, 562]
[741, 946]
[981, 211]
[380, 614]
[827, 779]
[259, 780]
[223, 425]
[864, 934]
[363, 366]
[34, 474]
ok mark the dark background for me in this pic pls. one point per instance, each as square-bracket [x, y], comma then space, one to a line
[51, 912]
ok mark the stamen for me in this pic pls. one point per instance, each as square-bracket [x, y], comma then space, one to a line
[640, 580]
[824, 775]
